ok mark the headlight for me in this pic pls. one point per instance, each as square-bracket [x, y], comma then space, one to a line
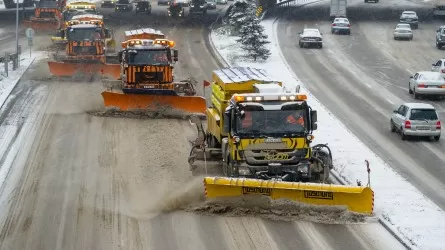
[303, 168]
[201, 6]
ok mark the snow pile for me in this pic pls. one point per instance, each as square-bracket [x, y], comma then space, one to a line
[7, 83]
[398, 203]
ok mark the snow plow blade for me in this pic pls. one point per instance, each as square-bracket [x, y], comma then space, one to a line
[128, 102]
[41, 25]
[356, 198]
[66, 69]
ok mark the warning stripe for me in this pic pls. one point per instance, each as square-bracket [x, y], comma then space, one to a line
[205, 188]
[372, 210]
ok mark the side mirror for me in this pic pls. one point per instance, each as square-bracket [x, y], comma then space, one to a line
[300, 32]
[242, 114]
[169, 55]
[321, 33]
[434, 64]
[226, 125]
[119, 56]
[411, 77]
[175, 55]
[314, 120]
[395, 111]
[297, 89]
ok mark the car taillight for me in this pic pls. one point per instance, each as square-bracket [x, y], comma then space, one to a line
[443, 71]
[407, 124]
[334, 24]
[438, 125]
[349, 25]
[422, 85]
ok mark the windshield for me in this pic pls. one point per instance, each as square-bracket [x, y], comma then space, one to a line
[149, 57]
[423, 114]
[272, 122]
[84, 34]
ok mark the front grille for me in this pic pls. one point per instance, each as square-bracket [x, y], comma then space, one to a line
[84, 50]
[153, 77]
[47, 15]
[283, 156]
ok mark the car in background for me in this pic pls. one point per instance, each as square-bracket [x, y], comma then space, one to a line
[123, 6]
[427, 83]
[403, 31]
[440, 37]
[198, 7]
[439, 66]
[221, 2]
[311, 37]
[211, 4]
[144, 7]
[108, 4]
[163, 2]
[416, 119]
[341, 25]
[181, 3]
[411, 18]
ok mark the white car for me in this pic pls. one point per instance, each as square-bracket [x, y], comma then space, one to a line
[403, 31]
[311, 37]
[341, 25]
[426, 83]
[439, 66]
[416, 119]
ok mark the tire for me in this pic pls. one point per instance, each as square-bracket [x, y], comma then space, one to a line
[301, 45]
[320, 46]
[348, 33]
[415, 95]
[402, 135]
[395, 38]
[409, 89]
[437, 138]
[393, 128]
[332, 32]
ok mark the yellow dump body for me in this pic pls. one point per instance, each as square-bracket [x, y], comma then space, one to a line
[225, 83]
[145, 33]
[357, 199]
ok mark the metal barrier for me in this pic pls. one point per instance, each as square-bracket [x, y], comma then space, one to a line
[14, 58]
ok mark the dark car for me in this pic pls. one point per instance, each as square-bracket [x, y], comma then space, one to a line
[144, 7]
[123, 5]
[175, 10]
[198, 7]
[108, 4]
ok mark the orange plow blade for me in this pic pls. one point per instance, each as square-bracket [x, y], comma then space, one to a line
[41, 26]
[126, 102]
[70, 69]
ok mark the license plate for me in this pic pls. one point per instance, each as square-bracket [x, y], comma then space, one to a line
[149, 87]
[269, 140]
[423, 128]
[408, 20]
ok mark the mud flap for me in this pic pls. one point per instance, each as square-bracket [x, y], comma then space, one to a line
[355, 198]
[130, 102]
[64, 69]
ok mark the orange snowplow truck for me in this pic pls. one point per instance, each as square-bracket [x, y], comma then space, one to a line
[147, 82]
[47, 16]
[85, 53]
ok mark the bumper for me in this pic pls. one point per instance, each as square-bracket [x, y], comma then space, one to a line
[341, 29]
[422, 132]
[431, 91]
[403, 36]
[122, 9]
[412, 23]
[107, 5]
[212, 7]
[309, 43]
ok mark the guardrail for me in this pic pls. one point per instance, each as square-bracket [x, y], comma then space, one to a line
[14, 58]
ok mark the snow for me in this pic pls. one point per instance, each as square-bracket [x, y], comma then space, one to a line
[8, 83]
[403, 208]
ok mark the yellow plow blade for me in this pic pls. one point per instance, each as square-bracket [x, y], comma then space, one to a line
[355, 198]
[126, 102]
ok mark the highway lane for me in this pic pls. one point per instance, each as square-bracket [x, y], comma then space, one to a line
[362, 78]
[78, 181]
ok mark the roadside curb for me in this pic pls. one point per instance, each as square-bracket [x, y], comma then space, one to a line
[16, 82]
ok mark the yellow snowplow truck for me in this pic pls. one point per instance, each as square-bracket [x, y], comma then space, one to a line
[60, 40]
[262, 135]
[147, 83]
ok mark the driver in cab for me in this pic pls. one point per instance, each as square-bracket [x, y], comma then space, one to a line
[295, 118]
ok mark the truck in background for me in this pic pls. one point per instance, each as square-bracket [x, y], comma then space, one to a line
[439, 9]
[338, 9]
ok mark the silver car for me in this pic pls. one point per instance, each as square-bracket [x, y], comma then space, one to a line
[410, 17]
[341, 25]
[426, 83]
[403, 31]
[416, 119]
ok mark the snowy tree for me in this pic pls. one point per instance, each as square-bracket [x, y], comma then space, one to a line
[240, 12]
[252, 38]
